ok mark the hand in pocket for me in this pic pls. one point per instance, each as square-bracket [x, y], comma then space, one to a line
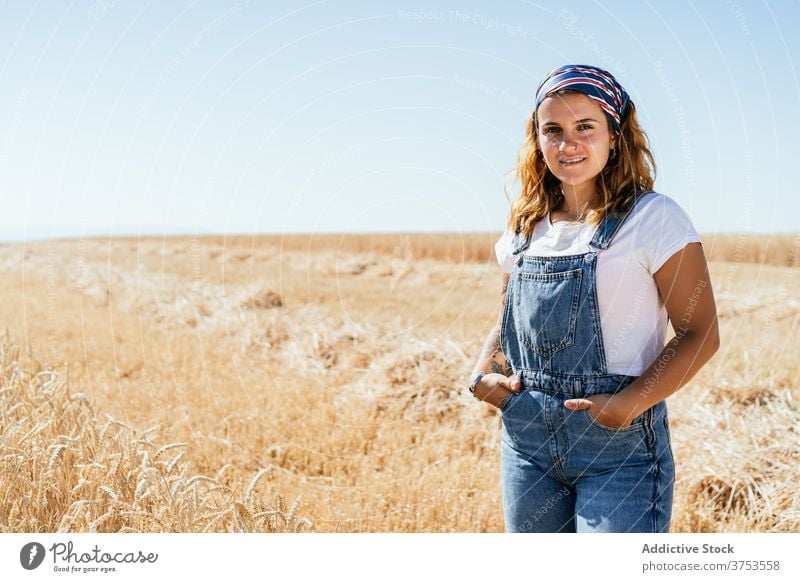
[608, 410]
[495, 388]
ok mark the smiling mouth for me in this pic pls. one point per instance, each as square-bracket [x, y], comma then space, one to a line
[573, 162]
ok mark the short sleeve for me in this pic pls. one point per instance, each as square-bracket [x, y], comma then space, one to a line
[504, 251]
[668, 228]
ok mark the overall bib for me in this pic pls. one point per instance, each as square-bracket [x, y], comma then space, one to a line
[562, 471]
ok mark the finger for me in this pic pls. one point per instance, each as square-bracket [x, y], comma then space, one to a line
[578, 403]
[513, 384]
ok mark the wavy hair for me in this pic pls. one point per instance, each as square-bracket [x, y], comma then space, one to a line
[632, 170]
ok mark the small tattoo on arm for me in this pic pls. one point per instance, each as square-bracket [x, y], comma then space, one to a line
[505, 289]
[492, 345]
[492, 352]
[498, 368]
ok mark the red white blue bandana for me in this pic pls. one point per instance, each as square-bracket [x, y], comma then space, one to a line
[596, 83]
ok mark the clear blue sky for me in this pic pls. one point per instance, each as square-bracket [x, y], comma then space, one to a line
[123, 117]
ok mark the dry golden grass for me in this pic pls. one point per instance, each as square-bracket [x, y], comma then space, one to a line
[472, 247]
[329, 368]
[63, 469]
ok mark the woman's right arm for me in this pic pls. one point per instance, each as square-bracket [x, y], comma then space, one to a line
[499, 379]
[492, 358]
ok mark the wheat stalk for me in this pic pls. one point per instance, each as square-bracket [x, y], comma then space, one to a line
[166, 448]
[245, 517]
[251, 487]
[108, 491]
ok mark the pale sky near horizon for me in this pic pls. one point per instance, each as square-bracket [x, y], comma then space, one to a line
[124, 117]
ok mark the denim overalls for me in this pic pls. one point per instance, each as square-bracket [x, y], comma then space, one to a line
[561, 471]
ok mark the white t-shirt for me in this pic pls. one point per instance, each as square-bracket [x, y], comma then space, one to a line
[633, 318]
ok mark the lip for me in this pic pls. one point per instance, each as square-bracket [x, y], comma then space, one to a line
[573, 162]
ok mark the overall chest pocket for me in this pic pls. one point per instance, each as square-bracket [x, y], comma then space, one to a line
[546, 310]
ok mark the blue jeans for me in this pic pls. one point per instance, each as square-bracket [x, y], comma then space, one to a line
[561, 471]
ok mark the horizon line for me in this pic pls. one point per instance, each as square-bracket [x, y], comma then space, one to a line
[69, 234]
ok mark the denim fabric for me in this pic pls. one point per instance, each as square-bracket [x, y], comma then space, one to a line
[562, 471]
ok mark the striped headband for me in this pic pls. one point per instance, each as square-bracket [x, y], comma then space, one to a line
[593, 82]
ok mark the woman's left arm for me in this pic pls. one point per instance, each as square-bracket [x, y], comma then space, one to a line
[685, 287]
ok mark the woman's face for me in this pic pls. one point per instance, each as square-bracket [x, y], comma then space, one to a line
[575, 140]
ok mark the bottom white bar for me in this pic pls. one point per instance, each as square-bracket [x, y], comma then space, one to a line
[390, 557]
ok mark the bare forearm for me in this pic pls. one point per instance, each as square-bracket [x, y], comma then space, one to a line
[492, 358]
[677, 363]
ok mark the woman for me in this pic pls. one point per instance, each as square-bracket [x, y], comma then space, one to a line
[594, 263]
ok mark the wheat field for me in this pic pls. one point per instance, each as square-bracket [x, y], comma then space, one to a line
[299, 383]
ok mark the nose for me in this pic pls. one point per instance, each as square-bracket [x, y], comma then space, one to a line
[567, 142]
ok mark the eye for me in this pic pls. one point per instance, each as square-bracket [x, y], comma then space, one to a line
[584, 127]
[550, 129]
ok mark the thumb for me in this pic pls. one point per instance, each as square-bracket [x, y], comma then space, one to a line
[578, 403]
[514, 384]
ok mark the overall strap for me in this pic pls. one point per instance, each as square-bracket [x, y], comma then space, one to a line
[611, 222]
[520, 242]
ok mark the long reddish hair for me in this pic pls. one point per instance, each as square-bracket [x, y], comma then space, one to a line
[632, 170]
